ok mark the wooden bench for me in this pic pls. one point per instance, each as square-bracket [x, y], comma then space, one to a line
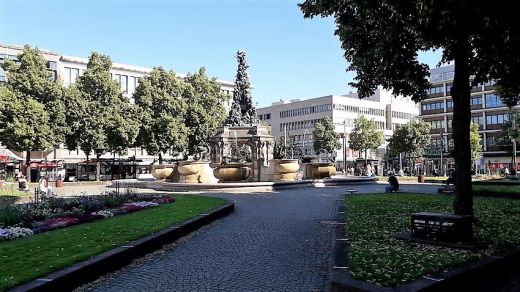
[442, 226]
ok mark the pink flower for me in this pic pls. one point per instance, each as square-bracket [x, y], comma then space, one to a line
[61, 222]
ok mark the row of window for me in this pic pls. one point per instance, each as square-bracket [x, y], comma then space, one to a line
[306, 110]
[497, 119]
[491, 101]
[360, 110]
[298, 125]
[127, 83]
[441, 88]
[401, 115]
[264, 117]
[51, 66]
[433, 106]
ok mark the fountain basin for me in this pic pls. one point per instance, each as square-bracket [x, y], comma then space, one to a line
[232, 172]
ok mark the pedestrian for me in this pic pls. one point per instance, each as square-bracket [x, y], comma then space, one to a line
[393, 184]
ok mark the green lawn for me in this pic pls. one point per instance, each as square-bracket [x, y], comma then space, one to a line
[488, 189]
[31, 257]
[375, 256]
[11, 191]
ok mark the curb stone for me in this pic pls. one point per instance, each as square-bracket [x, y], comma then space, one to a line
[90, 269]
[469, 276]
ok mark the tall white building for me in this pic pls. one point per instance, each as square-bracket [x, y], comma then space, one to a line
[298, 118]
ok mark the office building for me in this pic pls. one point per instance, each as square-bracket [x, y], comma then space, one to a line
[487, 110]
[298, 117]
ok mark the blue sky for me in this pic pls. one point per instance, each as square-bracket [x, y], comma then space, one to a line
[289, 56]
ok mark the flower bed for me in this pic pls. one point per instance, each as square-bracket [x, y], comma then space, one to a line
[27, 219]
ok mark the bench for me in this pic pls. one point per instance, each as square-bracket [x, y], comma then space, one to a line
[351, 191]
[442, 226]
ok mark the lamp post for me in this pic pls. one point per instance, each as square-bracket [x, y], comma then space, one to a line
[442, 151]
[345, 146]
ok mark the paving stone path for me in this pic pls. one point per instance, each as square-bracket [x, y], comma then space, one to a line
[273, 241]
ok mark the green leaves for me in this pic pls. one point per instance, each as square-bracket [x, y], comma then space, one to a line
[325, 137]
[411, 138]
[365, 135]
[31, 105]
[160, 99]
[475, 140]
[205, 109]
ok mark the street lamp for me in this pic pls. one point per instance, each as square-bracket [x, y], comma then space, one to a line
[345, 145]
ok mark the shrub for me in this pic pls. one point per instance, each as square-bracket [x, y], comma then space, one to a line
[90, 204]
[9, 216]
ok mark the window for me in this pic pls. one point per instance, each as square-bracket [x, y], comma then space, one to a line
[449, 103]
[497, 119]
[478, 120]
[52, 66]
[131, 84]
[437, 124]
[74, 73]
[448, 87]
[437, 89]
[267, 116]
[124, 83]
[493, 100]
[476, 100]
[2, 75]
[66, 75]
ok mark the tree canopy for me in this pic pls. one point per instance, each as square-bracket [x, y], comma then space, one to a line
[325, 137]
[33, 116]
[411, 138]
[365, 135]
[205, 109]
[160, 97]
[382, 39]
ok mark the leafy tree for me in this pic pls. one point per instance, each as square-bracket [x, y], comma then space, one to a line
[35, 117]
[325, 137]
[242, 111]
[99, 99]
[475, 142]
[205, 109]
[159, 97]
[381, 40]
[365, 136]
[411, 138]
[510, 137]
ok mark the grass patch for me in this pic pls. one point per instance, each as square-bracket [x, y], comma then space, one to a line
[490, 189]
[25, 259]
[13, 192]
[375, 256]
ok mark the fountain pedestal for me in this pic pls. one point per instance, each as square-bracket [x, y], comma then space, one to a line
[255, 140]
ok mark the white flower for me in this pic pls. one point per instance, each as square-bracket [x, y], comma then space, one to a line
[142, 204]
[14, 232]
[105, 213]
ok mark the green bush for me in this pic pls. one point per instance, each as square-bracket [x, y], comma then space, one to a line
[9, 216]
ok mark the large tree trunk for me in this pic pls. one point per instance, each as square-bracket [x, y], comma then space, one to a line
[160, 158]
[460, 92]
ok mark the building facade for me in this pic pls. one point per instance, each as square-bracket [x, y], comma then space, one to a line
[487, 110]
[66, 69]
[297, 119]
